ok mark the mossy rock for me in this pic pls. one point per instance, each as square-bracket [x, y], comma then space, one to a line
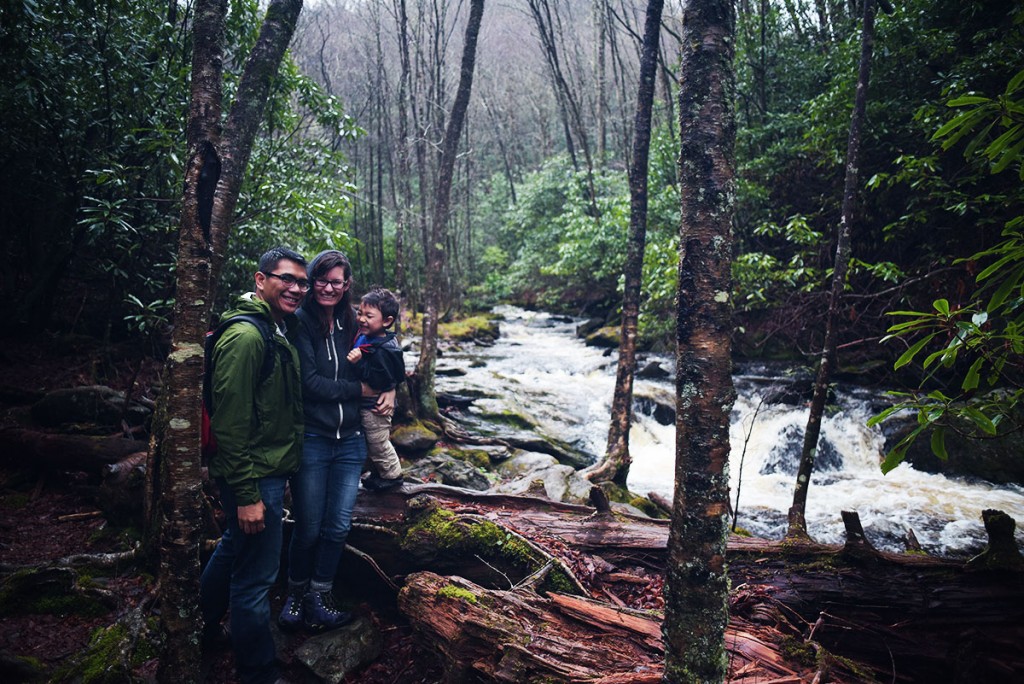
[589, 326]
[508, 417]
[482, 327]
[478, 458]
[414, 438]
[608, 337]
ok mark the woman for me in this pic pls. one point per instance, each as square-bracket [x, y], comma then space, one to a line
[334, 448]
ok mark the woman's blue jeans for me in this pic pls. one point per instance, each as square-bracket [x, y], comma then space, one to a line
[240, 573]
[323, 494]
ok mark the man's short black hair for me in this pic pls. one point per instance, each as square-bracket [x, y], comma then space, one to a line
[270, 258]
[384, 301]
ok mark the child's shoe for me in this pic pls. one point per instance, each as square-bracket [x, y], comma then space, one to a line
[376, 483]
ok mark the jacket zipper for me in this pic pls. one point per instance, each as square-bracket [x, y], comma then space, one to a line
[332, 353]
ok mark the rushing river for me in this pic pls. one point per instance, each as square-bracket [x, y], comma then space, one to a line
[538, 368]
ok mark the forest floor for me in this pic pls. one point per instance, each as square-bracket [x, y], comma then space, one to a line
[48, 515]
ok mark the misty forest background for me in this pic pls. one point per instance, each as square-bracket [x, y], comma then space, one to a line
[95, 98]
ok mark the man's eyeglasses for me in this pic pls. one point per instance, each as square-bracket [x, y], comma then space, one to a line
[289, 280]
[322, 283]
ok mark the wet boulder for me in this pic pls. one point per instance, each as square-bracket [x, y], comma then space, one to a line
[535, 474]
[606, 338]
[589, 326]
[997, 459]
[652, 370]
[334, 655]
[414, 438]
[439, 466]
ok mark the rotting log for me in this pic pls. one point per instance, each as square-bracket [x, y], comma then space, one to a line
[519, 637]
[903, 615]
[86, 453]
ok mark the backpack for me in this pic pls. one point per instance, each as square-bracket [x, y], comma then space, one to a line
[208, 443]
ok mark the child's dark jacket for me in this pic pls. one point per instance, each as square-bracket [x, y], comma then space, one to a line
[382, 366]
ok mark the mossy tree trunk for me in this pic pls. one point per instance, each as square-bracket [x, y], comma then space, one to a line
[615, 465]
[696, 585]
[797, 512]
[436, 259]
[215, 166]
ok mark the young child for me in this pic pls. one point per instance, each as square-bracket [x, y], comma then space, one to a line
[378, 359]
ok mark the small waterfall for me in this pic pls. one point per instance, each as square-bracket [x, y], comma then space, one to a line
[540, 370]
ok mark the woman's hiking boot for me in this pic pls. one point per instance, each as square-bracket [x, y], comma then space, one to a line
[320, 614]
[291, 615]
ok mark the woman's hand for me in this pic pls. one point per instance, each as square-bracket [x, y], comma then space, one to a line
[386, 403]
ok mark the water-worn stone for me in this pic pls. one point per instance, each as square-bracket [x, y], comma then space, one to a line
[333, 655]
[531, 441]
[589, 326]
[652, 370]
[414, 438]
[523, 472]
[454, 472]
[607, 337]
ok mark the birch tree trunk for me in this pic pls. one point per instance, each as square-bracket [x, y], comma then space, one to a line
[696, 585]
[214, 170]
[435, 275]
[797, 513]
[615, 465]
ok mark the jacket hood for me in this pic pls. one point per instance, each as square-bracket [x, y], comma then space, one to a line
[248, 303]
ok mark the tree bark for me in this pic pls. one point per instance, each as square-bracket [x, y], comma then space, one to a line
[696, 586]
[435, 283]
[797, 519]
[615, 465]
[213, 177]
[405, 200]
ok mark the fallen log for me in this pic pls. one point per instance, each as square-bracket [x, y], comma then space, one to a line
[907, 617]
[86, 453]
[519, 637]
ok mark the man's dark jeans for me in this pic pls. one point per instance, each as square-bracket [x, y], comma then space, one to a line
[240, 573]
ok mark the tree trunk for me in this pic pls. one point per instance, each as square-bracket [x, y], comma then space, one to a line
[696, 586]
[615, 466]
[213, 176]
[435, 282]
[549, 31]
[405, 199]
[797, 519]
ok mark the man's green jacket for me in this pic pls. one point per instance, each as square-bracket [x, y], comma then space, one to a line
[257, 424]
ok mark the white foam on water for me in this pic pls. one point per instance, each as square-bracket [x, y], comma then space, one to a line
[539, 368]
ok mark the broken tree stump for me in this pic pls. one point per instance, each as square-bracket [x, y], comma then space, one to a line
[1002, 552]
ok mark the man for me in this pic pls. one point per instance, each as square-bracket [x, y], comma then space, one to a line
[257, 421]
